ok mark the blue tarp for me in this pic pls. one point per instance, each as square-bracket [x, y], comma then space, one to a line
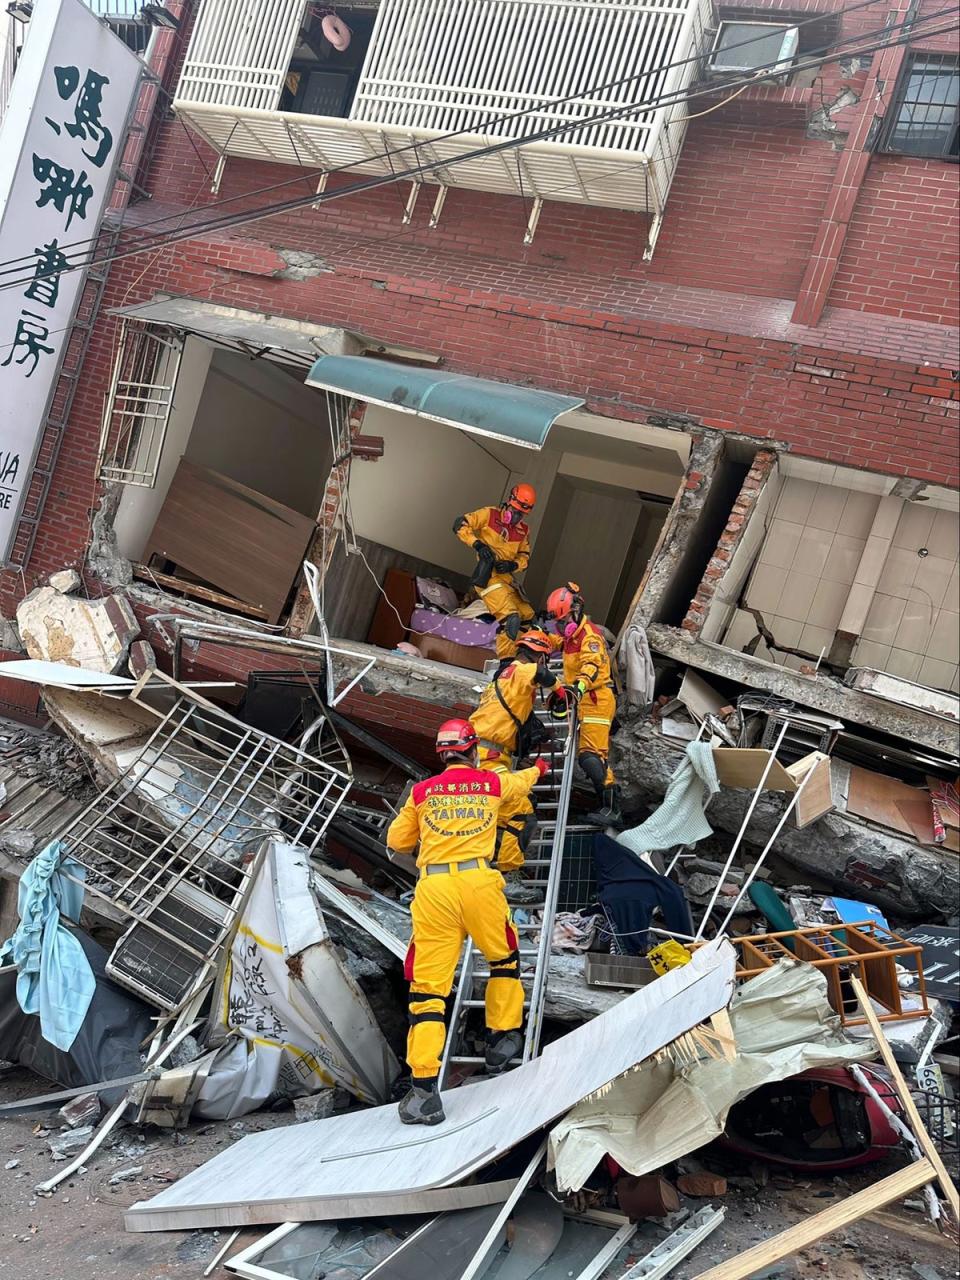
[521, 415]
[54, 978]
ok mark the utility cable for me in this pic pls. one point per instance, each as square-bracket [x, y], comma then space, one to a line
[501, 120]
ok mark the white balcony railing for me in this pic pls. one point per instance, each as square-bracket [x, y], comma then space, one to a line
[435, 67]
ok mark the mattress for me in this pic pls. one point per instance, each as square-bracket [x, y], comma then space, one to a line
[466, 631]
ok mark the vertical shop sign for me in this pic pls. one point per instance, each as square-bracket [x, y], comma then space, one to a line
[60, 142]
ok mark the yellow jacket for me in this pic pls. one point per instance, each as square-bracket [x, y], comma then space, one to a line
[453, 815]
[585, 657]
[518, 685]
[506, 541]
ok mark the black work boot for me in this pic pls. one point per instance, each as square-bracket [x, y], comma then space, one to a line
[609, 813]
[502, 1048]
[422, 1104]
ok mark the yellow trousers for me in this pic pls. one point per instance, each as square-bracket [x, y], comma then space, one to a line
[446, 909]
[502, 599]
[512, 819]
[597, 710]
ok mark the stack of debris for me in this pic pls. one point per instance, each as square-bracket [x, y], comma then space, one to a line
[209, 924]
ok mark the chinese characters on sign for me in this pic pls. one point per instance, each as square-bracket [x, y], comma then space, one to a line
[59, 146]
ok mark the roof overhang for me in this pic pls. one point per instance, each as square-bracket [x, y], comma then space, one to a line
[500, 410]
[251, 332]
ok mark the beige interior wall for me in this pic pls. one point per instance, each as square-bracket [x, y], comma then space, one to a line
[913, 625]
[805, 568]
[263, 428]
[826, 546]
[139, 507]
[594, 539]
[429, 474]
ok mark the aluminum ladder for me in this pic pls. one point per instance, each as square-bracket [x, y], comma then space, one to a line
[544, 858]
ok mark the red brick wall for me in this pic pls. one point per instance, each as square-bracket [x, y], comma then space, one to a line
[702, 330]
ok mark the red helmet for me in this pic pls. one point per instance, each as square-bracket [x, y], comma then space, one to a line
[560, 602]
[523, 497]
[535, 640]
[456, 736]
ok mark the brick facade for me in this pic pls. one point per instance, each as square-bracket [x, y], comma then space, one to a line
[706, 329]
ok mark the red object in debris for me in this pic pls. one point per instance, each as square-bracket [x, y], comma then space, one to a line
[821, 1121]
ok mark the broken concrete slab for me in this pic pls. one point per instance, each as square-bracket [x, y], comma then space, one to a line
[93, 634]
[66, 581]
[822, 693]
[298, 1173]
[857, 860]
[142, 659]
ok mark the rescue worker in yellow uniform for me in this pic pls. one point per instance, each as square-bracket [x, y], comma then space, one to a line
[587, 673]
[501, 539]
[453, 818]
[504, 707]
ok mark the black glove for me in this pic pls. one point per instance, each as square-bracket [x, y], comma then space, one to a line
[505, 566]
[479, 546]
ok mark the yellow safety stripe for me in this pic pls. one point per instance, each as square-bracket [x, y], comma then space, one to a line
[594, 720]
[267, 946]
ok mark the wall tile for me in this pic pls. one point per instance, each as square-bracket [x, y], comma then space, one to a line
[951, 600]
[813, 550]
[765, 586]
[796, 596]
[932, 580]
[796, 498]
[741, 630]
[936, 674]
[786, 630]
[856, 608]
[782, 541]
[886, 519]
[944, 537]
[827, 507]
[913, 633]
[828, 604]
[869, 654]
[873, 560]
[943, 641]
[884, 618]
[903, 664]
[859, 513]
[843, 559]
[913, 531]
[813, 639]
[898, 572]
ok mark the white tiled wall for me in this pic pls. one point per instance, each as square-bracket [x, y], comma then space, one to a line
[806, 567]
[913, 626]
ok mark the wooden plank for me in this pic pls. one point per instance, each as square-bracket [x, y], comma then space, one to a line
[144, 573]
[874, 796]
[923, 1234]
[810, 1230]
[744, 766]
[950, 1192]
[287, 1174]
[816, 798]
[236, 539]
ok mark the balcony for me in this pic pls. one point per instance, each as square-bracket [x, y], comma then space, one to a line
[265, 83]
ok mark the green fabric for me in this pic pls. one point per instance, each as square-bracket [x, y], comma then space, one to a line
[777, 916]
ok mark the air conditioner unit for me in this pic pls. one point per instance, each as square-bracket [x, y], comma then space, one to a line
[748, 46]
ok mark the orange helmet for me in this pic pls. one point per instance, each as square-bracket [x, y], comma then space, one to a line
[535, 641]
[457, 736]
[523, 497]
[560, 602]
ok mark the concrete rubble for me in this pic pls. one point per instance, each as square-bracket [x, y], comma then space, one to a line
[93, 634]
[306, 1023]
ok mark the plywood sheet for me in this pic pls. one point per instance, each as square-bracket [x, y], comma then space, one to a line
[816, 799]
[877, 798]
[283, 1174]
[744, 766]
[232, 537]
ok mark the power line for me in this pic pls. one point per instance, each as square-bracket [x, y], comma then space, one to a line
[314, 199]
[521, 113]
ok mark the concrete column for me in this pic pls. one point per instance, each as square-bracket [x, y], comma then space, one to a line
[864, 587]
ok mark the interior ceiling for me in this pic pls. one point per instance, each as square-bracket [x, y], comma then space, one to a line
[629, 449]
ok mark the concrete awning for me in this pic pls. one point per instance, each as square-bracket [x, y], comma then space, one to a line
[252, 332]
[502, 410]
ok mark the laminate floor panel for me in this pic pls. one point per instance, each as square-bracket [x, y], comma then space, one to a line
[290, 1174]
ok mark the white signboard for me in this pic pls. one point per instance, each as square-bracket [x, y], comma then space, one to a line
[60, 141]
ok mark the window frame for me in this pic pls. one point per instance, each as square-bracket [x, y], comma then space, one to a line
[892, 117]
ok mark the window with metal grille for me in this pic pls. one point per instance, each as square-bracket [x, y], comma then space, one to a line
[139, 403]
[924, 116]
